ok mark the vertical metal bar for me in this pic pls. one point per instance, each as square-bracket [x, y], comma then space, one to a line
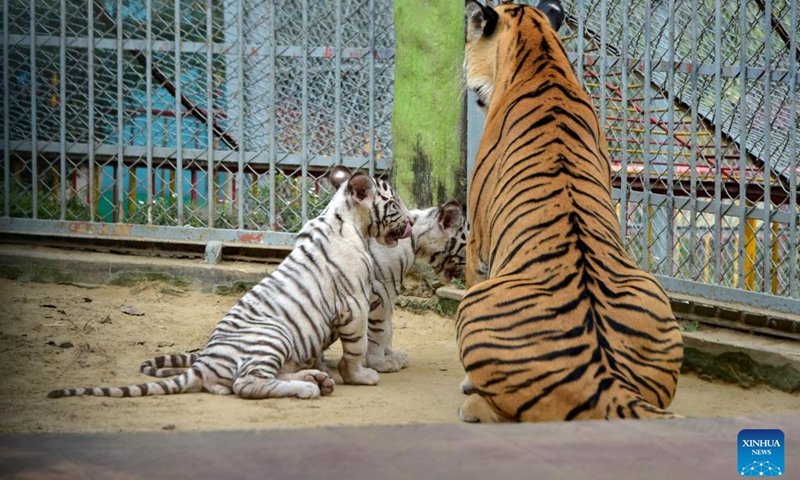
[149, 105]
[179, 114]
[304, 120]
[743, 250]
[670, 204]
[623, 143]
[766, 235]
[580, 40]
[90, 81]
[273, 118]
[239, 184]
[120, 118]
[372, 87]
[646, 91]
[6, 117]
[62, 93]
[793, 164]
[718, 158]
[210, 111]
[337, 88]
[693, 151]
[603, 59]
[34, 126]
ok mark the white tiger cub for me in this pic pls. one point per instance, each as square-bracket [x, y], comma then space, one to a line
[437, 237]
[265, 345]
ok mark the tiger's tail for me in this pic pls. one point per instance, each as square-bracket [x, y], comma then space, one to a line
[641, 409]
[190, 381]
[167, 365]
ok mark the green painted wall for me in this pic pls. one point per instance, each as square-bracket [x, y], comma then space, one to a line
[429, 157]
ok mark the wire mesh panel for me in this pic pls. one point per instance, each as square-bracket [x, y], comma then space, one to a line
[212, 114]
[700, 104]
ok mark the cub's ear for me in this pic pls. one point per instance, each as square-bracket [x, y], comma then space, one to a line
[481, 20]
[451, 215]
[554, 11]
[338, 176]
[361, 187]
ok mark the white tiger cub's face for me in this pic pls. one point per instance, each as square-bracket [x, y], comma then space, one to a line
[390, 216]
[389, 219]
[440, 238]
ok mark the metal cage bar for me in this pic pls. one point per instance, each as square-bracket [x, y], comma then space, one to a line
[793, 153]
[34, 115]
[6, 116]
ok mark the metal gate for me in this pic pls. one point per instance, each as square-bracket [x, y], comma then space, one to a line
[700, 104]
[140, 118]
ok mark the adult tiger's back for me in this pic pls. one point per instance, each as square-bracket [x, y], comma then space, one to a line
[558, 323]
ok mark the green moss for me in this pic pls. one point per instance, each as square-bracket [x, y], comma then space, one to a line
[11, 272]
[415, 304]
[446, 307]
[47, 275]
[129, 279]
[35, 273]
[427, 102]
[235, 289]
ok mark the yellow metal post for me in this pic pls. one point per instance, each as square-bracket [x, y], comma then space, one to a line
[750, 228]
[650, 238]
[775, 261]
[735, 270]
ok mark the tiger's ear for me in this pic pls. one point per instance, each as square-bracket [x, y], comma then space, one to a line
[554, 11]
[451, 215]
[361, 187]
[338, 176]
[481, 20]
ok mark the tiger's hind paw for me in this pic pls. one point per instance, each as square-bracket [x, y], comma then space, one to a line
[321, 379]
[476, 410]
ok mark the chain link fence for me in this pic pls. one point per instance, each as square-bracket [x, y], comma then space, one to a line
[145, 117]
[700, 104]
[221, 115]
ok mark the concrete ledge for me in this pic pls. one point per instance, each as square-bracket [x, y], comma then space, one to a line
[732, 355]
[52, 265]
[743, 358]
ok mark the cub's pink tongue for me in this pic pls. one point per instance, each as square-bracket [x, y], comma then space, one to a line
[407, 232]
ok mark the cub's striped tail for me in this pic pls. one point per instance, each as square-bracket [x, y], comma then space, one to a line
[167, 365]
[189, 382]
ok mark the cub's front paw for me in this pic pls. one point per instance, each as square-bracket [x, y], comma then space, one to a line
[353, 373]
[383, 363]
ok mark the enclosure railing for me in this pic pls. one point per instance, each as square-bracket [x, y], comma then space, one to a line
[142, 118]
[700, 103]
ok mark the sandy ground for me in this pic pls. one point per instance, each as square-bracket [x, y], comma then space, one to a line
[54, 336]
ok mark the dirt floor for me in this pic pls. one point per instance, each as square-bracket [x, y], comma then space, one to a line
[54, 336]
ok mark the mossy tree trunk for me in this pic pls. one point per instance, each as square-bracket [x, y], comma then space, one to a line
[429, 153]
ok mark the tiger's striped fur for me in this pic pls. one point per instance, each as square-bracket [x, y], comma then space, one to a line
[558, 322]
[265, 345]
[438, 237]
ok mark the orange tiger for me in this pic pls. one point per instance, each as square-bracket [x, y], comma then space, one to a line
[558, 322]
